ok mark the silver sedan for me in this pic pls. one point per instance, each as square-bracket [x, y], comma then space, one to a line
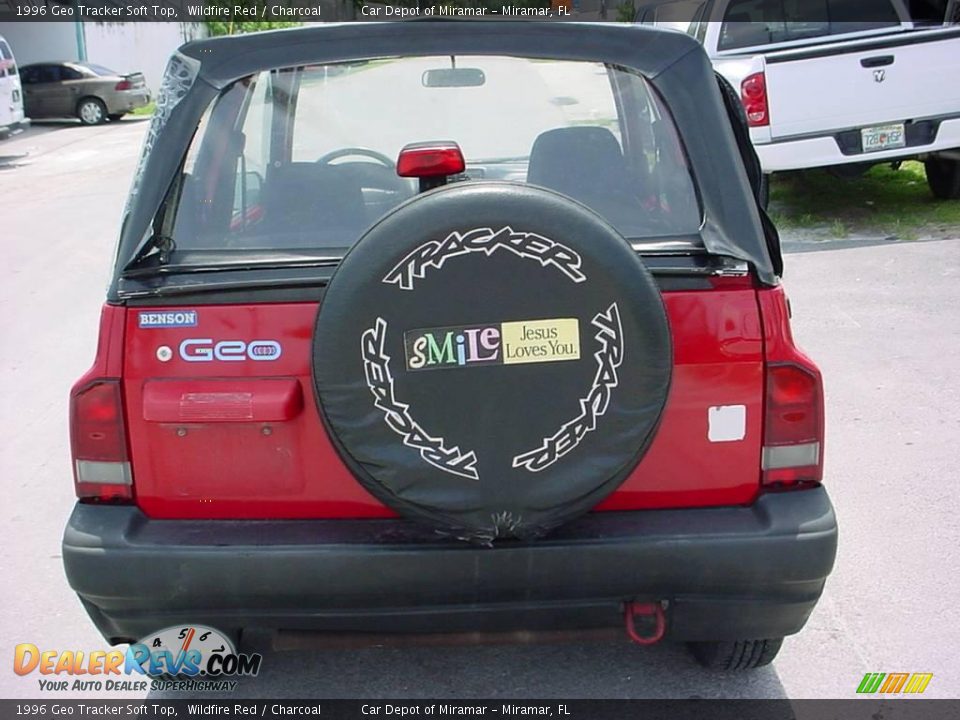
[86, 91]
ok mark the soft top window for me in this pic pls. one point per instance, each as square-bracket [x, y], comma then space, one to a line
[305, 157]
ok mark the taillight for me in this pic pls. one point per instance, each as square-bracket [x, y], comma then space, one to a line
[101, 465]
[123, 85]
[753, 94]
[793, 426]
[433, 159]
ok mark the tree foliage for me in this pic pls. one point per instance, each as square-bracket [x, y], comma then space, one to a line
[232, 27]
[626, 12]
[220, 27]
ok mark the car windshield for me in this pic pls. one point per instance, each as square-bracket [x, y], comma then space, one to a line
[306, 157]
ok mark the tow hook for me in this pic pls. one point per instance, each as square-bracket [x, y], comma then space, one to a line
[632, 610]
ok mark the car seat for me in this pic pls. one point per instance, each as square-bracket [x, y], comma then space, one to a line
[586, 164]
[314, 201]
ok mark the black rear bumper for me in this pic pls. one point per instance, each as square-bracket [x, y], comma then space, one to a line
[727, 573]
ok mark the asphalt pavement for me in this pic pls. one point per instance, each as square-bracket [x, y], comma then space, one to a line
[883, 321]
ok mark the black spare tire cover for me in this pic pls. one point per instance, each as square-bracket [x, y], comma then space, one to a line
[491, 358]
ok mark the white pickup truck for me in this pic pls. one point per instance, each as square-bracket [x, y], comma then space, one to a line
[825, 85]
[12, 119]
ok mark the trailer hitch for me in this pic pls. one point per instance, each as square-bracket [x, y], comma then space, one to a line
[633, 610]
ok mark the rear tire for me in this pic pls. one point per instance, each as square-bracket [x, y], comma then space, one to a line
[943, 177]
[115, 116]
[736, 655]
[91, 111]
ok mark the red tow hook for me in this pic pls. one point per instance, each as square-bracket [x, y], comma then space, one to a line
[633, 609]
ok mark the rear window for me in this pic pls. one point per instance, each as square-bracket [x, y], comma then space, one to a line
[305, 157]
[100, 70]
[748, 23]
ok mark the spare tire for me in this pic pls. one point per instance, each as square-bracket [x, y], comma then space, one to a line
[492, 359]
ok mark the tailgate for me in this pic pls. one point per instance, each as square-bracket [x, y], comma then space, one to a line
[863, 83]
[223, 421]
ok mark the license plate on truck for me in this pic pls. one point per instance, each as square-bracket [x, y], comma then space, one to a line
[883, 137]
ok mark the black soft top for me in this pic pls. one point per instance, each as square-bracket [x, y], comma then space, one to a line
[674, 63]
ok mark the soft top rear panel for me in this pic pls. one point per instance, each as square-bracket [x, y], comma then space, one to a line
[674, 63]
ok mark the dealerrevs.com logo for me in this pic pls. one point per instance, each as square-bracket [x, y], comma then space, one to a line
[894, 683]
[182, 657]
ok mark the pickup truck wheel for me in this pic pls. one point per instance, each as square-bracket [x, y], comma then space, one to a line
[491, 359]
[736, 655]
[943, 177]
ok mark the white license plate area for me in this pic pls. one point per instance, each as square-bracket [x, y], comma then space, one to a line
[883, 137]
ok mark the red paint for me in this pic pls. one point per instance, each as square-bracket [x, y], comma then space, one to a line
[243, 439]
[260, 400]
[718, 360]
[778, 337]
[260, 468]
[108, 362]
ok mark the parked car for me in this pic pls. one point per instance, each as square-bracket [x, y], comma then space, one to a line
[86, 91]
[487, 335]
[12, 118]
[839, 91]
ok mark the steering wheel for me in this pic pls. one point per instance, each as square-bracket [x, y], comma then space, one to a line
[358, 152]
[381, 176]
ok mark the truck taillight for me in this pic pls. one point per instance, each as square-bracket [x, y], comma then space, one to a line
[793, 426]
[753, 94]
[98, 438]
